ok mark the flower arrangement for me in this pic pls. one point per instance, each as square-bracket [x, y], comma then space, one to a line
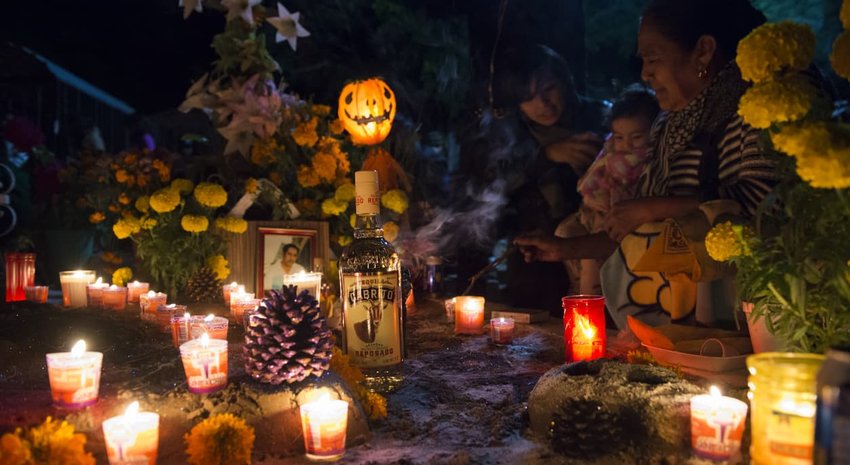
[220, 440]
[52, 442]
[792, 262]
[373, 403]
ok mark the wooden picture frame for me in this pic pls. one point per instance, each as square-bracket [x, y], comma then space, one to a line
[254, 254]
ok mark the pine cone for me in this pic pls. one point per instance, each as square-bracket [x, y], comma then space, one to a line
[288, 339]
[204, 286]
[587, 429]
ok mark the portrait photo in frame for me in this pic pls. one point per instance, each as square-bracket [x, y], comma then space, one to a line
[260, 257]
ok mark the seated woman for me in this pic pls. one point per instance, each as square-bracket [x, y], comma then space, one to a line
[701, 148]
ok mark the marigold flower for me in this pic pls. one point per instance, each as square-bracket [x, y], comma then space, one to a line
[321, 110]
[840, 56]
[184, 186]
[726, 241]
[218, 264]
[142, 180]
[352, 220]
[231, 224]
[220, 440]
[164, 200]
[777, 101]
[829, 170]
[252, 186]
[305, 133]
[129, 159]
[336, 127]
[307, 176]
[324, 165]
[194, 223]
[802, 139]
[263, 151]
[333, 207]
[124, 199]
[97, 217]
[773, 47]
[13, 451]
[345, 192]
[143, 204]
[126, 227]
[390, 231]
[121, 176]
[52, 442]
[395, 200]
[122, 276]
[210, 195]
[148, 223]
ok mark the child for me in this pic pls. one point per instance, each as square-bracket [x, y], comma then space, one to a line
[611, 178]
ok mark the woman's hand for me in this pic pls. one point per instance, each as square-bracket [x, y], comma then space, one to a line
[578, 151]
[625, 217]
[541, 247]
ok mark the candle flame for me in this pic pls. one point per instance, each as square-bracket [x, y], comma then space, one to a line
[186, 315]
[79, 273]
[151, 293]
[131, 411]
[209, 317]
[715, 392]
[583, 324]
[234, 284]
[113, 287]
[99, 281]
[79, 348]
[135, 283]
[205, 340]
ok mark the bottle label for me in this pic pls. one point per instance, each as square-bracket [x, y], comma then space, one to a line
[367, 199]
[790, 436]
[372, 319]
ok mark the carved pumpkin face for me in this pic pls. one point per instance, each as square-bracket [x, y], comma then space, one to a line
[367, 110]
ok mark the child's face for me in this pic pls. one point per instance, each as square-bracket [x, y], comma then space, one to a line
[630, 133]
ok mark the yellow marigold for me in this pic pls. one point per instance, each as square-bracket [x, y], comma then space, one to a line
[305, 133]
[336, 127]
[344, 193]
[726, 241]
[390, 231]
[182, 185]
[263, 151]
[124, 199]
[53, 442]
[143, 204]
[321, 110]
[802, 139]
[220, 440]
[324, 165]
[845, 14]
[126, 227]
[830, 170]
[148, 223]
[210, 195]
[96, 217]
[307, 176]
[352, 220]
[344, 240]
[122, 276]
[252, 186]
[164, 200]
[231, 224]
[395, 200]
[194, 223]
[375, 405]
[773, 47]
[341, 365]
[218, 264]
[13, 451]
[777, 101]
[121, 176]
[840, 56]
[333, 207]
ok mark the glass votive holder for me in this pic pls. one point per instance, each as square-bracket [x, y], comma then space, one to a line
[74, 377]
[227, 289]
[74, 287]
[20, 272]
[242, 305]
[502, 330]
[94, 293]
[115, 298]
[469, 315]
[165, 313]
[324, 423]
[303, 281]
[132, 438]
[584, 327]
[717, 425]
[36, 294]
[135, 289]
[149, 302]
[205, 364]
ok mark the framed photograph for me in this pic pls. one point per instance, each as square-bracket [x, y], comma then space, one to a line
[269, 249]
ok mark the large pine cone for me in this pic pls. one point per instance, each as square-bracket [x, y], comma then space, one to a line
[288, 339]
[204, 286]
[587, 429]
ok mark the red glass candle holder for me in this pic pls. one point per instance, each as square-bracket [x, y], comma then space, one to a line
[584, 327]
[20, 273]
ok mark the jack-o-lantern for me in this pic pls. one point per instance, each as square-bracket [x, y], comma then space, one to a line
[367, 110]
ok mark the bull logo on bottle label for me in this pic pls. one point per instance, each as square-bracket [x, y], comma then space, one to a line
[374, 300]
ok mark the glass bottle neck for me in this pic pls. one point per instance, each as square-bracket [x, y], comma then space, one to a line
[368, 226]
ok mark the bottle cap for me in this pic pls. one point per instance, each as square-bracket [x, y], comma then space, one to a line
[367, 199]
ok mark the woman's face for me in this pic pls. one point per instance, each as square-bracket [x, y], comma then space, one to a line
[546, 104]
[668, 68]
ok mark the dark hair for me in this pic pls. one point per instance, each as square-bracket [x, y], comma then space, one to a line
[684, 21]
[521, 67]
[635, 100]
[290, 246]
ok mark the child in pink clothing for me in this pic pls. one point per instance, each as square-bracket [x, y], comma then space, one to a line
[611, 178]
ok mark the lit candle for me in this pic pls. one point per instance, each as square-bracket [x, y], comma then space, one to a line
[150, 302]
[74, 376]
[717, 425]
[584, 327]
[165, 313]
[132, 438]
[94, 293]
[469, 315]
[74, 287]
[502, 330]
[226, 289]
[303, 281]
[234, 293]
[205, 363]
[36, 293]
[135, 289]
[115, 298]
[324, 423]
[240, 303]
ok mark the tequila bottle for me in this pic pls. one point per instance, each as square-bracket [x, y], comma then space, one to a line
[370, 287]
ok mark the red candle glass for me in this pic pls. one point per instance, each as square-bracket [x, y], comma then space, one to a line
[584, 327]
[20, 272]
